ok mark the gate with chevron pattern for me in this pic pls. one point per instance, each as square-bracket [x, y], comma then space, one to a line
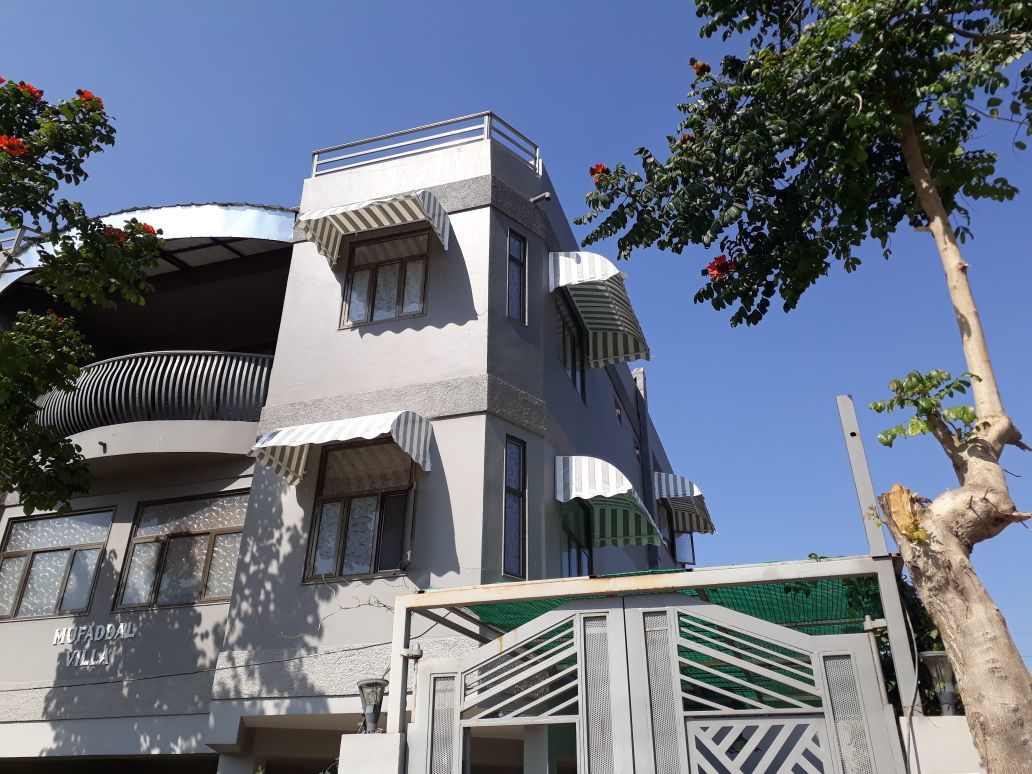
[665, 685]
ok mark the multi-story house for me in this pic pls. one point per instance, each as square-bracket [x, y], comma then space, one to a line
[341, 441]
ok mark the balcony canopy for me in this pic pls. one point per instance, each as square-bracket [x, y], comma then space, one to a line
[327, 227]
[285, 449]
[618, 516]
[597, 290]
[686, 502]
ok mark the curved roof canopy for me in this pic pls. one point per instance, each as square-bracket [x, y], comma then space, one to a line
[597, 290]
[618, 516]
[285, 449]
[197, 234]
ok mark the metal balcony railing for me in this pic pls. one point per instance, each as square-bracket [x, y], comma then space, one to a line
[478, 127]
[227, 386]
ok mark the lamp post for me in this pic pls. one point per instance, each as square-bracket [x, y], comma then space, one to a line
[941, 669]
[371, 690]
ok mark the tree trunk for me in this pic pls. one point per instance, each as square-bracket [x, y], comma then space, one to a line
[991, 676]
[936, 541]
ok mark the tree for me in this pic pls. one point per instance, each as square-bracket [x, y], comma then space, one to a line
[842, 123]
[81, 261]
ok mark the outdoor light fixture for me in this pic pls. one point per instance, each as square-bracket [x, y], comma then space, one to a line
[371, 690]
[942, 677]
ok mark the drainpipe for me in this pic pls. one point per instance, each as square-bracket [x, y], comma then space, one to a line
[645, 455]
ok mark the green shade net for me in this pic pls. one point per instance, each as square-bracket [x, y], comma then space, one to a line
[819, 606]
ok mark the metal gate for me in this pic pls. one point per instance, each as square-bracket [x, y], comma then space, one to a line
[665, 685]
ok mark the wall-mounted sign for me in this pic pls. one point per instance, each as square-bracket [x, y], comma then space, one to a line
[95, 639]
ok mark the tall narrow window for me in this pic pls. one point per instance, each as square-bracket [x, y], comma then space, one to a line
[517, 282]
[386, 279]
[577, 558]
[682, 544]
[184, 551]
[360, 523]
[514, 529]
[572, 350]
[48, 565]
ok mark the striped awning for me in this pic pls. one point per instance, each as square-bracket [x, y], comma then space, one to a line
[686, 502]
[597, 289]
[328, 226]
[619, 517]
[285, 449]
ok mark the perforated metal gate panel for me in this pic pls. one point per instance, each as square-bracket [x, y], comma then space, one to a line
[664, 702]
[596, 688]
[847, 714]
[443, 742]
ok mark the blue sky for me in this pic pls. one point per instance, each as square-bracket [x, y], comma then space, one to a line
[224, 102]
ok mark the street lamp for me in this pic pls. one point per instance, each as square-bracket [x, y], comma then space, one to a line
[371, 690]
[939, 665]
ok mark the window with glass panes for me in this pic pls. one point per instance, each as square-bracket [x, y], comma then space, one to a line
[514, 529]
[386, 279]
[184, 551]
[361, 514]
[572, 350]
[48, 564]
[576, 540]
[682, 544]
[517, 278]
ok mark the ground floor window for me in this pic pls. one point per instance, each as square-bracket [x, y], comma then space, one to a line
[184, 551]
[48, 564]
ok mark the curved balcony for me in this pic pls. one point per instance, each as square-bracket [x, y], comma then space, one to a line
[156, 386]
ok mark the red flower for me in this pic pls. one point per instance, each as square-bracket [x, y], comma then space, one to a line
[12, 146]
[32, 91]
[701, 68]
[720, 267]
[148, 228]
[687, 138]
[597, 171]
[88, 96]
[115, 233]
[2, 79]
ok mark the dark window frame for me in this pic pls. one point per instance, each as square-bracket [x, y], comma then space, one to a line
[571, 542]
[315, 523]
[573, 346]
[521, 261]
[521, 492]
[668, 513]
[30, 554]
[374, 271]
[159, 565]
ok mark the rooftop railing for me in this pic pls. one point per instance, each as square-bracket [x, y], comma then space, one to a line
[149, 386]
[478, 127]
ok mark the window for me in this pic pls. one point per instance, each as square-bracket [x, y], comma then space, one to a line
[682, 544]
[576, 540]
[514, 528]
[184, 551]
[386, 279]
[572, 349]
[361, 512]
[517, 278]
[48, 564]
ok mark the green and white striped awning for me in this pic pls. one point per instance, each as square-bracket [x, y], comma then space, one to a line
[285, 449]
[327, 227]
[619, 517]
[597, 290]
[686, 502]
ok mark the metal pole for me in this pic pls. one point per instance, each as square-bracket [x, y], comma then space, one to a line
[892, 607]
[861, 476]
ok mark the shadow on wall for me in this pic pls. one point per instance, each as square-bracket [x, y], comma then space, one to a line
[160, 669]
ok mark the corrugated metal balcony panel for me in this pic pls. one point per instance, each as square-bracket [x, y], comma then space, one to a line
[155, 386]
